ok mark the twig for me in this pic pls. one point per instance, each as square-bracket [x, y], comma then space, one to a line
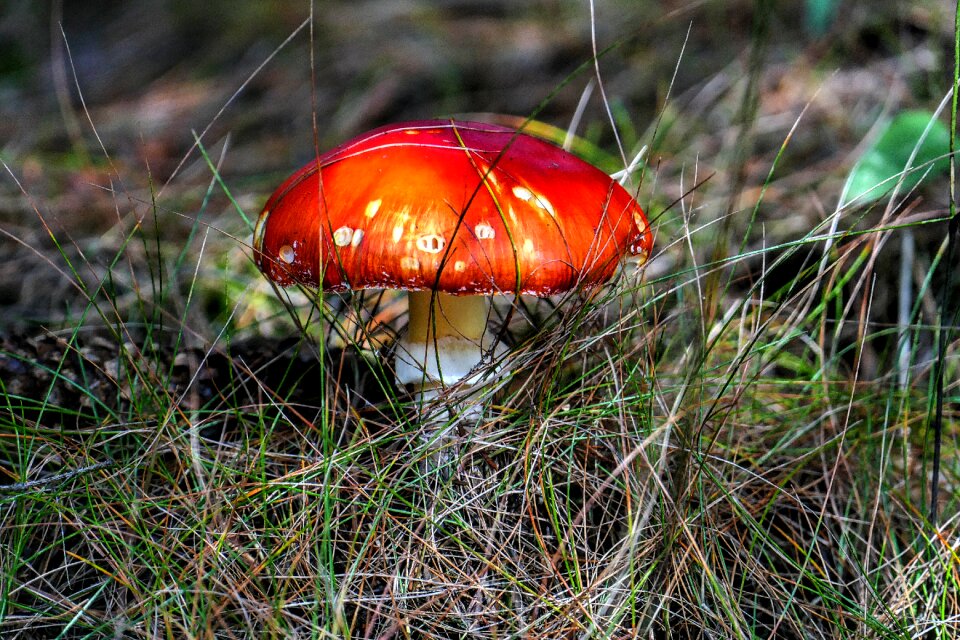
[26, 485]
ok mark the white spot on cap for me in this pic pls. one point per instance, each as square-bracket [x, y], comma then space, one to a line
[397, 233]
[286, 254]
[535, 199]
[357, 237]
[343, 236]
[409, 262]
[372, 207]
[431, 243]
[487, 173]
[528, 246]
[639, 221]
[544, 204]
[523, 193]
[459, 266]
[484, 231]
[639, 256]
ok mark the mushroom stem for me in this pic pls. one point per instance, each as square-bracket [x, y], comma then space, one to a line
[446, 339]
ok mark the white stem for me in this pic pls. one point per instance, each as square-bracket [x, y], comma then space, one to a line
[446, 339]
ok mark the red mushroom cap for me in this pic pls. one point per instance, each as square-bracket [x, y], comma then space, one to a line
[461, 207]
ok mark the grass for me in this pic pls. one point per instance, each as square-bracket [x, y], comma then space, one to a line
[719, 446]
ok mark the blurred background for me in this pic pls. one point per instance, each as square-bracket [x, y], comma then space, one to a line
[100, 103]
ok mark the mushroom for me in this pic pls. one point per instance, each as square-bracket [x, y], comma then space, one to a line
[452, 212]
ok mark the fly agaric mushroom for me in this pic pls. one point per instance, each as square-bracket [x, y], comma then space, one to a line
[452, 212]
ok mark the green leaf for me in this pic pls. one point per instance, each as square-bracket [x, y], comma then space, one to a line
[878, 170]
